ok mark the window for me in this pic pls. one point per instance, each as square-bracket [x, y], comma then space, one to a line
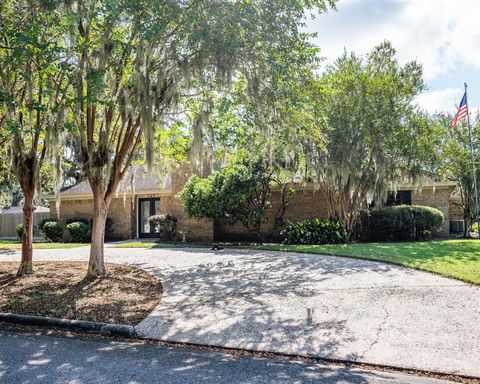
[399, 198]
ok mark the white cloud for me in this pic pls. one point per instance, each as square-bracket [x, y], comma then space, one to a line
[444, 100]
[440, 34]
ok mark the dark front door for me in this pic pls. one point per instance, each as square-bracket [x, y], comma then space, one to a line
[146, 208]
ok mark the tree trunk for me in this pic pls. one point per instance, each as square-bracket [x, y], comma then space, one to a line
[26, 266]
[96, 265]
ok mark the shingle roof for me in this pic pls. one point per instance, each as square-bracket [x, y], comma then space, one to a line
[143, 180]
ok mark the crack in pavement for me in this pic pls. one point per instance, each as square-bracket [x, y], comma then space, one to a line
[380, 327]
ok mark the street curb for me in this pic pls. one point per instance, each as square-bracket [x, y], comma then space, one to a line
[127, 331]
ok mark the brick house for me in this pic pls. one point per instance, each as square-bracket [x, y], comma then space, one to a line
[143, 194]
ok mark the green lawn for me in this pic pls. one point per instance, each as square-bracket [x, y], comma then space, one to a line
[14, 244]
[459, 259]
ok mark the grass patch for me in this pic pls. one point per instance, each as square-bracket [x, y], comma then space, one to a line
[14, 244]
[59, 289]
[459, 259]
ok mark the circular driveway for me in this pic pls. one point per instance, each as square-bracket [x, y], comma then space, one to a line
[327, 306]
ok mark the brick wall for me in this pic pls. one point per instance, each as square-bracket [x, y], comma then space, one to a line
[437, 198]
[307, 203]
[120, 211]
[455, 209]
[195, 230]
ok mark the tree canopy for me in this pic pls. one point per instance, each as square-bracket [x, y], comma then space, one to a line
[371, 135]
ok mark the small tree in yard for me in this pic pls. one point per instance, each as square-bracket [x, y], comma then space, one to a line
[239, 193]
[371, 135]
[133, 60]
[32, 98]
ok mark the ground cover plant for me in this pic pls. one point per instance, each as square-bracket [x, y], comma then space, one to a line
[60, 289]
[315, 231]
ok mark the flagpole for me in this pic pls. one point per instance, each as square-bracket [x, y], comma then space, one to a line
[477, 219]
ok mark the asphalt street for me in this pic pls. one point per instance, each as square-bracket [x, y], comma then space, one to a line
[28, 357]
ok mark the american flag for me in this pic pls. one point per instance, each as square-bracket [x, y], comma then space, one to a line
[462, 111]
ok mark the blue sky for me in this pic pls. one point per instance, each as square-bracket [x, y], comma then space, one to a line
[442, 35]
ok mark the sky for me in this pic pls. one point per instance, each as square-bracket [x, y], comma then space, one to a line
[442, 35]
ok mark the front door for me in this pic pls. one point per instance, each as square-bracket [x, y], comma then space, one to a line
[146, 208]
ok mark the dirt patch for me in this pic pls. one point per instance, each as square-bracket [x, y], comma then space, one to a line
[60, 289]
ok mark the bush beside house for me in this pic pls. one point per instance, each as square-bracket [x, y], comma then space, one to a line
[53, 231]
[399, 223]
[78, 231]
[165, 226]
[19, 230]
[396, 223]
[315, 231]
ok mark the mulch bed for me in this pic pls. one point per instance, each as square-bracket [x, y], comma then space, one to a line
[60, 289]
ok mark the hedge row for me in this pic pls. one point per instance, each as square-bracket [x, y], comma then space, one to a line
[398, 223]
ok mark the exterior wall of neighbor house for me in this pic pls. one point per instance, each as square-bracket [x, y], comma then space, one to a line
[120, 211]
[437, 198]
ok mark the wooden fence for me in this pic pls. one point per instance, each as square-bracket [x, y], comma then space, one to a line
[9, 221]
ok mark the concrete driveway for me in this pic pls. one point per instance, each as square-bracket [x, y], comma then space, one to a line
[326, 306]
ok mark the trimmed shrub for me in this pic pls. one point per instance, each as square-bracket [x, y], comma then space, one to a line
[19, 230]
[404, 223]
[315, 231]
[47, 220]
[165, 226]
[78, 231]
[53, 231]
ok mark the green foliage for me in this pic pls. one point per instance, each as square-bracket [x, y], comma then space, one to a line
[53, 231]
[403, 223]
[315, 231]
[10, 193]
[238, 193]
[454, 160]
[165, 226]
[370, 133]
[474, 227]
[19, 230]
[33, 97]
[78, 230]
[47, 220]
